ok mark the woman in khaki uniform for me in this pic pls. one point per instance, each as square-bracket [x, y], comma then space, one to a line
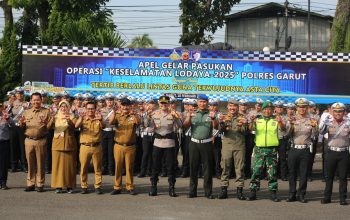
[63, 150]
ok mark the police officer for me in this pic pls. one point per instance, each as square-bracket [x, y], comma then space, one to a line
[303, 130]
[35, 123]
[202, 123]
[313, 114]
[108, 136]
[126, 123]
[164, 121]
[338, 130]
[283, 141]
[234, 127]
[147, 141]
[266, 140]
[90, 125]
[77, 108]
[100, 102]
[217, 146]
[141, 102]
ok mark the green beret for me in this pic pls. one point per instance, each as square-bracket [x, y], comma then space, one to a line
[267, 104]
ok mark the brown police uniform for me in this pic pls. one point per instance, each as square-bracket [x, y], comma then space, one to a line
[124, 148]
[36, 129]
[90, 147]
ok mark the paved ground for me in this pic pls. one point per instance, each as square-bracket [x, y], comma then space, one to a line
[17, 204]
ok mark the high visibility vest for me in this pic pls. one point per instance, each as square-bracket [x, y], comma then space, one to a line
[266, 132]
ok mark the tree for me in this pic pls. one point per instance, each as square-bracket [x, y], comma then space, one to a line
[143, 41]
[200, 16]
[340, 33]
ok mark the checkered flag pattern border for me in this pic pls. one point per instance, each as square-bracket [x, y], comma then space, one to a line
[208, 54]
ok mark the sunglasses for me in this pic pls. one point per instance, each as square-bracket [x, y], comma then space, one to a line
[338, 111]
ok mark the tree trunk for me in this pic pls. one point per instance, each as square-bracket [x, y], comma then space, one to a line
[7, 12]
[340, 36]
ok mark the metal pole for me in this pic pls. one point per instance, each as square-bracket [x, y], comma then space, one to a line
[308, 27]
[286, 26]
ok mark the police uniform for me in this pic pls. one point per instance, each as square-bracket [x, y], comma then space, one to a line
[266, 140]
[76, 109]
[302, 132]
[139, 135]
[36, 130]
[107, 139]
[233, 150]
[124, 148]
[314, 115]
[90, 148]
[201, 148]
[164, 122]
[338, 131]
[217, 142]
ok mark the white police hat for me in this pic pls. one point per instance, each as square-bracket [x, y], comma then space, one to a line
[100, 98]
[301, 102]
[109, 95]
[87, 96]
[78, 96]
[278, 104]
[121, 96]
[243, 101]
[172, 99]
[140, 100]
[192, 101]
[212, 102]
[312, 104]
[338, 106]
[19, 90]
[10, 93]
[185, 101]
[290, 105]
[259, 101]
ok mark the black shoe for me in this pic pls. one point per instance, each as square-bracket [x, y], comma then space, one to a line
[164, 174]
[153, 191]
[192, 195]
[104, 172]
[240, 195]
[252, 196]
[40, 189]
[172, 192]
[343, 202]
[111, 173]
[47, 171]
[141, 175]
[132, 192]
[274, 197]
[116, 192]
[210, 196]
[310, 179]
[84, 191]
[58, 190]
[69, 190]
[284, 179]
[302, 199]
[291, 198]
[29, 188]
[98, 191]
[4, 187]
[223, 193]
[185, 174]
[325, 201]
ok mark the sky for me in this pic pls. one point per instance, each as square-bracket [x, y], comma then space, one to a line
[160, 18]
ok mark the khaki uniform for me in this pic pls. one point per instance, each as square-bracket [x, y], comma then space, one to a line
[35, 144]
[90, 147]
[124, 148]
[233, 149]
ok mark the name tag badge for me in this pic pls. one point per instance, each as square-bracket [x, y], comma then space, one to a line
[131, 119]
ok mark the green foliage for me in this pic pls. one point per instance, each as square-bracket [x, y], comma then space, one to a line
[143, 41]
[201, 16]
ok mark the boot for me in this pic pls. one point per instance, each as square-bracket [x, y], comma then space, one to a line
[274, 196]
[172, 192]
[240, 194]
[223, 193]
[252, 195]
[153, 191]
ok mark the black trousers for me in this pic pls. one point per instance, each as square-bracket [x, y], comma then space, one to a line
[312, 158]
[337, 161]
[201, 153]
[4, 160]
[77, 138]
[48, 158]
[298, 160]
[147, 147]
[185, 155]
[324, 158]
[138, 156]
[164, 164]
[248, 154]
[17, 147]
[107, 142]
[282, 157]
[217, 146]
[170, 156]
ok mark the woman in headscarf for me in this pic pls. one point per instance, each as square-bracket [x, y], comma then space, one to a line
[64, 150]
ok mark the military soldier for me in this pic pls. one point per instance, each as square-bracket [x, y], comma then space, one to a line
[202, 123]
[90, 125]
[303, 130]
[338, 129]
[234, 127]
[147, 141]
[266, 130]
[17, 132]
[108, 164]
[164, 121]
[124, 148]
[35, 124]
[217, 146]
[283, 141]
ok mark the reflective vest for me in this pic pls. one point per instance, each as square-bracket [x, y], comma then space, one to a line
[266, 132]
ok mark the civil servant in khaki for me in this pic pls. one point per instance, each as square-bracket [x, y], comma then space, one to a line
[125, 123]
[35, 124]
[90, 125]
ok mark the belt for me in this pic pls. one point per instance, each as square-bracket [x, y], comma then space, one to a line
[148, 134]
[338, 149]
[125, 145]
[107, 129]
[36, 138]
[167, 136]
[299, 146]
[201, 141]
[91, 145]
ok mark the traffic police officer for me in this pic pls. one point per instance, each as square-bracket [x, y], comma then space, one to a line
[217, 143]
[202, 123]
